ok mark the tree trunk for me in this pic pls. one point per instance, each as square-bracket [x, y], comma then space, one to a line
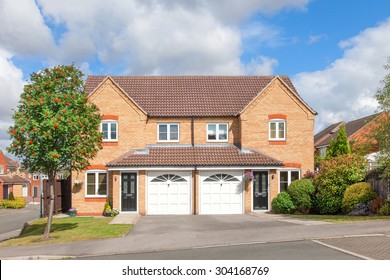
[51, 208]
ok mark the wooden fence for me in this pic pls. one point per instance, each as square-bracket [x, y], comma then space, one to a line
[379, 185]
[62, 196]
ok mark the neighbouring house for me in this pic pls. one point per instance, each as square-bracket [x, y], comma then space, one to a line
[184, 144]
[11, 180]
[358, 132]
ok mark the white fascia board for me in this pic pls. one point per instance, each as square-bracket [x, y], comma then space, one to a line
[235, 167]
[149, 168]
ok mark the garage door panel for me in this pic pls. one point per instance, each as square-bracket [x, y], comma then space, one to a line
[168, 193]
[221, 193]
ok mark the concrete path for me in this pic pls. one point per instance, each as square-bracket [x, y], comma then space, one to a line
[159, 233]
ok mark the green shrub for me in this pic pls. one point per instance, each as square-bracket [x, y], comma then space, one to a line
[282, 204]
[11, 196]
[335, 175]
[355, 194]
[17, 203]
[301, 192]
[385, 209]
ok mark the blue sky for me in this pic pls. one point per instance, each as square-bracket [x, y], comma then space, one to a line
[333, 51]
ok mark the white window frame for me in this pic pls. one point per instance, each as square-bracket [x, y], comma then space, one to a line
[35, 177]
[96, 172]
[1, 169]
[288, 175]
[109, 122]
[168, 132]
[217, 132]
[277, 122]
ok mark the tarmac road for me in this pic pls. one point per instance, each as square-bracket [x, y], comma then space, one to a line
[12, 220]
[293, 250]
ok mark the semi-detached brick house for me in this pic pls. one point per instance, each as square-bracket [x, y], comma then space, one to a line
[181, 145]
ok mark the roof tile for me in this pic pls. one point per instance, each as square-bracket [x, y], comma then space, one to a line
[201, 155]
[190, 96]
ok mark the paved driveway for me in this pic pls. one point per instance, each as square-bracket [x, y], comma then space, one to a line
[202, 224]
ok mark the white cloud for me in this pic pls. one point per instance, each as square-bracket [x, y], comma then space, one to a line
[345, 89]
[315, 38]
[23, 30]
[11, 81]
[161, 37]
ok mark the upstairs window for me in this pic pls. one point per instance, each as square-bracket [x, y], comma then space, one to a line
[35, 177]
[1, 169]
[110, 130]
[217, 132]
[277, 130]
[168, 132]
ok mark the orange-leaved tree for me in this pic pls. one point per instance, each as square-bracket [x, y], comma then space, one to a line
[55, 126]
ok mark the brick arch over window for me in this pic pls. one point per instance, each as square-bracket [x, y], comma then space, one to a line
[277, 116]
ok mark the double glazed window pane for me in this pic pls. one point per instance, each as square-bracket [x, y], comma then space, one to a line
[174, 132]
[222, 132]
[102, 184]
[105, 131]
[273, 130]
[163, 132]
[212, 132]
[283, 180]
[91, 184]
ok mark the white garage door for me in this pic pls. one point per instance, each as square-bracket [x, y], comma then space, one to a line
[168, 193]
[221, 193]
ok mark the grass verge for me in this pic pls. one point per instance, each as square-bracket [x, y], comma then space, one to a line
[68, 230]
[340, 218]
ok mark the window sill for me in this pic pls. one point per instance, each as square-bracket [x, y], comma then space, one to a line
[110, 143]
[217, 141]
[95, 199]
[277, 142]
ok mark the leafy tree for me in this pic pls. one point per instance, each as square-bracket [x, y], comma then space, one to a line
[382, 131]
[340, 146]
[55, 127]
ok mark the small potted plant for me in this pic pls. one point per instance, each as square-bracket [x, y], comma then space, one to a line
[72, 212]
[248, 176]
[107, 209]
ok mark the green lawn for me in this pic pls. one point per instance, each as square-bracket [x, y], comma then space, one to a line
[340, 218]
[68, 230]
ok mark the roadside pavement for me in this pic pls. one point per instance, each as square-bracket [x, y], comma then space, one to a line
[159, 233]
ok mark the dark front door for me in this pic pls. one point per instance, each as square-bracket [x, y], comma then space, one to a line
[129, 191]
[260, 190]
[5, 191]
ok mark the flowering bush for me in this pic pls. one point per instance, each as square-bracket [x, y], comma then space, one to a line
[248, 176]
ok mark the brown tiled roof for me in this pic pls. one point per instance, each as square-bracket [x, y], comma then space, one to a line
[15, 179]
[201, 155]
[350, 128]
[190, 96]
